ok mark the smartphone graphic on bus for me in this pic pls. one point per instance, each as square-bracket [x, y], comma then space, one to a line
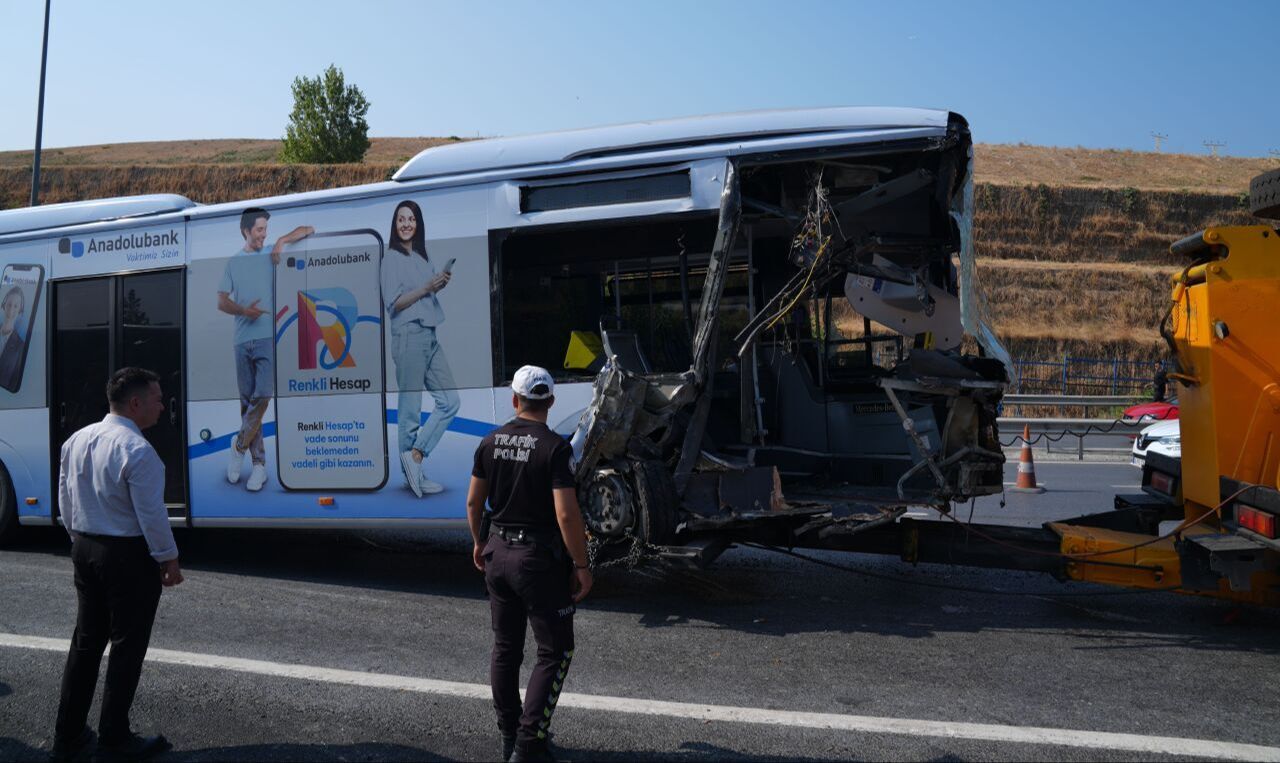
[331, 431]
[20, 288]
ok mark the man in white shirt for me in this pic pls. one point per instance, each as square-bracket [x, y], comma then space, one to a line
[111, 498]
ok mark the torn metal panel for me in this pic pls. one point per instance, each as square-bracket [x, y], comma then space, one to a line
[911, 309]
[974, 314]
[713, 285]
[626, 408]
[750, 490]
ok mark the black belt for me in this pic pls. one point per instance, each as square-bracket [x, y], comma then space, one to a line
[122, 539]
[524, 534]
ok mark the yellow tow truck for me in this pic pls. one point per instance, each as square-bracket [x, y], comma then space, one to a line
[1223, 328]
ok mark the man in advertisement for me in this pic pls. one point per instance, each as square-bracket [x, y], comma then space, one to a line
[247, 292]
[534, 561]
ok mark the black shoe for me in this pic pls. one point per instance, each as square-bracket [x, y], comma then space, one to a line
[533, 751]
[65, 751]
[508, 745]
[133, 748]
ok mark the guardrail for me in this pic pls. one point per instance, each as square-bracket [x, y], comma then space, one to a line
[1082, 401]
[1071, 432]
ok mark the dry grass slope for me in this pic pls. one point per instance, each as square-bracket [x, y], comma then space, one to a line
[228, 151]
[1111, 168]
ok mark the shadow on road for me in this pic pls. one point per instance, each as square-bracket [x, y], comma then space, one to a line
[747, 590]
[15, 750]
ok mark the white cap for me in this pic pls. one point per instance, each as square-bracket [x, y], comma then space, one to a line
[530, 377]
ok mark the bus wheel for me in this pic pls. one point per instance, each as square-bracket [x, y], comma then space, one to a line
[606, 504]
[8, 509]
[656, 501]
[635, 498]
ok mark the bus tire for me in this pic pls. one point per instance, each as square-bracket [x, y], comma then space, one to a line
[1264, 195]
[656, 503]
[8, 509]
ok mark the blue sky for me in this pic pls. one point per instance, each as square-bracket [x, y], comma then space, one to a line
[1094, 74]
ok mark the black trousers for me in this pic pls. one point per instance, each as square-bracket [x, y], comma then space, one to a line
[118, 589]
[528, 583]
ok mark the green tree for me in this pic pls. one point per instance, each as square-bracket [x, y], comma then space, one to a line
[327, 124]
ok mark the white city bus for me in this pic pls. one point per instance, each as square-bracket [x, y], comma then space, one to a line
[550, 240]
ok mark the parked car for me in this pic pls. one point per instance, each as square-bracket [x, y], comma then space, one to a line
[1162, 436]
[1144, 412]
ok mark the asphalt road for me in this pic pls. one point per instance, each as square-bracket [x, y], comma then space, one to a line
[759, 637]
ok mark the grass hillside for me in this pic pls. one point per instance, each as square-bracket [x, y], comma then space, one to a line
[1073, 243]
[226, 151]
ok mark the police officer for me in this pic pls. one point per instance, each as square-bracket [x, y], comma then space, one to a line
[534, 560]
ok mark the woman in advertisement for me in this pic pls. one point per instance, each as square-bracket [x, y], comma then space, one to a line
[410, 283]
[12, 306]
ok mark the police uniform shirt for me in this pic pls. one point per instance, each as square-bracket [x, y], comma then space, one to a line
[522, 462]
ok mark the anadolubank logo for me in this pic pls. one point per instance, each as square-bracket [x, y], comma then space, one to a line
[146, 245]
[73, 248]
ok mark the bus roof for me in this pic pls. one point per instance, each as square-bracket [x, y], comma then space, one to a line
[95, 210]
[495, 158]
[593, 142]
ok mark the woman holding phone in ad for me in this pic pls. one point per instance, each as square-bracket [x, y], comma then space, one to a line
[410, 283]
[12, 306]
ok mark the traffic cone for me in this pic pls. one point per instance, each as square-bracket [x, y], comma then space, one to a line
[1026, 466]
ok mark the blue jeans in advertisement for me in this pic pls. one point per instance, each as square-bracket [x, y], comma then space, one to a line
[254, 376]
[421, 364]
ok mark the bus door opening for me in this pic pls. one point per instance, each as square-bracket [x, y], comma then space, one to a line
[102, 324]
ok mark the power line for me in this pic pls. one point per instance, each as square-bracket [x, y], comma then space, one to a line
[1214, 145]
[1160, 139]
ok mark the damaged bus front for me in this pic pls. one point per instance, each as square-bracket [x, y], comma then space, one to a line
[809, 361]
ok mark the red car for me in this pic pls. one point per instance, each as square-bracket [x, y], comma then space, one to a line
[1144, 412]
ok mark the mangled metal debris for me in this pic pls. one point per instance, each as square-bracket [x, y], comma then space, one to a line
[849, 385]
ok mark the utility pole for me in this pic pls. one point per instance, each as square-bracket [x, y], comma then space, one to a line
[1274, 153]
[1160, 139]
[1213, 146]
[44, 58]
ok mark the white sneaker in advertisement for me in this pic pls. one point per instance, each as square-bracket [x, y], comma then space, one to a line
[257, 478]
[412, 472]
[235, 462]
[429, 487]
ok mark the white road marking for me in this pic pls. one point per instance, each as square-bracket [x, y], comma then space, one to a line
[1102, 740]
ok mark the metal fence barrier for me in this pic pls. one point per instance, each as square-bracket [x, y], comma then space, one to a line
[1084, 376]
[1064, 435]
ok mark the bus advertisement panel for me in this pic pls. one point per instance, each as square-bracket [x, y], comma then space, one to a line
[329, 370]
[24, 419]
[338, 352]
[21, 286]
